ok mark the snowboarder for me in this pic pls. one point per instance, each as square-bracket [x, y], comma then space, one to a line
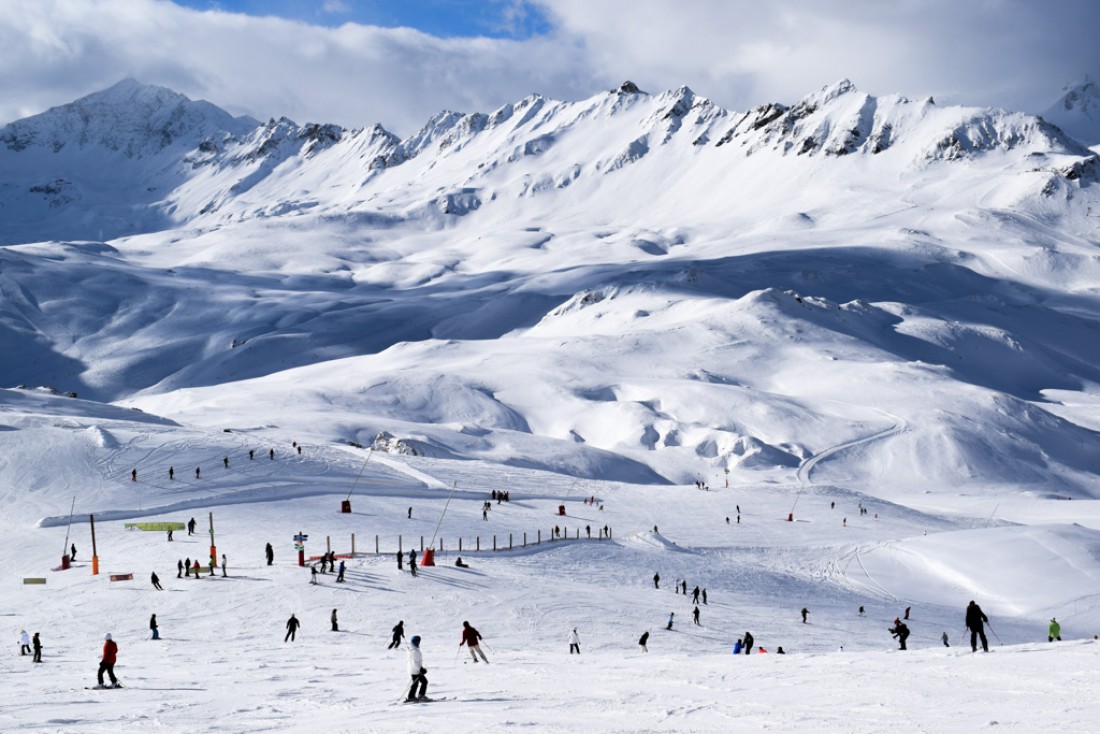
[72, 554]
[574, 642]
[461, 563]
[335, 625]
[292, 626]
[780, 651]
[737, 647]
[695, 595]
[224, 564]
[944, 638]
[470, 638]
[656, 580]
[156, 582]
[1054, 633]
[24, 642]
[643, 640]
[670, 617]
[37, 649]
[748, 643]
[975, 621]
[107, 663]
[901, 632]
[805, 613]
[270, 552]
[153, 627]
[417, 671]
[695, 615]
[398, 633]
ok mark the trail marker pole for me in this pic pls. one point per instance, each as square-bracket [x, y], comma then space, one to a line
[95, 557]
[213, 547]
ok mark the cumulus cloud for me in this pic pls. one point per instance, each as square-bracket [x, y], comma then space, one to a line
[1013, 53]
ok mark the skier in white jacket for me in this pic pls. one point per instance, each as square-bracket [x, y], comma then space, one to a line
[574, 642]
[417, 671]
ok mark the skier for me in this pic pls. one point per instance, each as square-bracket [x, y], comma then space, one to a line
[670, 616]
[195, 568]
[156, 582]
[153, 627]
[292, 626]
[169, 535]
[198, 472]
[684, 587]
[975, 621]
[400, 560]
[171, 472]
[340, 575]
[1054, 633]
[187, 567]
[695, 595]
[270, 552]
[470, 638]
[313, 574]
[737, 647]
[335, 625]
[226, 462]
[417, 671]
[72, 554]
[861, 610]
[398, 633]
[107, 663]
[906, 615]
[271, 454]
[224, 564]
[412, 562]
[748, 643]
[704, 596]
[191, 526]
[24, 642]
[695, 615]
[643, 640]
[37, 649]
[574, 642]
[944, 638]
[252, 454]
[780, 651]
[901, 632]
[656, 580]
[133, 475]
[805, 612]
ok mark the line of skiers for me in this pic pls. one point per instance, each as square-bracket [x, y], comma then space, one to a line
[225, 462]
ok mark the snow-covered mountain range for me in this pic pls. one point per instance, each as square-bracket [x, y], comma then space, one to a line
[631, 285]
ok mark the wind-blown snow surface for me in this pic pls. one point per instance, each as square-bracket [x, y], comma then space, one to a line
[853, 299]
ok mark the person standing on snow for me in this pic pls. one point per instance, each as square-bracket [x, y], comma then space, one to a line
[1054, 633]
[417, 671]
[412, 562]
[398, 633]
[340, 575]
[72, 555]
[656, 580]
[574, 642]
[643, 640]
[37, 649]
[153, 627]
[695, 615]
[695, 595]
[335, 626]
[805, 613]
[292, 626]
[975, 622]
[748, 643]
[670, 617]
[944, 638]
[270, 552]
[179, 569]
[470, 638]
[107, 663]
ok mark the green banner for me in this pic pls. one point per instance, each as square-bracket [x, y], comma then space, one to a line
[156, 526]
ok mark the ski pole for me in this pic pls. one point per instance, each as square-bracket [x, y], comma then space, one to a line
[457, 651]
[995, 634]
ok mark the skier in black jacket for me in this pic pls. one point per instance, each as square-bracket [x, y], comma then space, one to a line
[398, 633]
[901, 632]
[975, 618]
[748, 643]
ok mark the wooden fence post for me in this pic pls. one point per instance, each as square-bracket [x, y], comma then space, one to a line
[421, 543]
[509, 541]
[400, 546]
[353, 545]
[460, 544]
[524, 538]
[479, 542]
[539, 542]
[494, 542]
[375, 545]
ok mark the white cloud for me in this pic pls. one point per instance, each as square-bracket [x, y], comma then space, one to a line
[1014, 53]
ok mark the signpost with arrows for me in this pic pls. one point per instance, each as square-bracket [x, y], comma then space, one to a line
[300, 546]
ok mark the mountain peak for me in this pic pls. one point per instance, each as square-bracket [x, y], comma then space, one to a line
[1077, 111]
[129, 117]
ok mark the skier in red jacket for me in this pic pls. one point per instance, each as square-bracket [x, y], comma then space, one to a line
[470, 638]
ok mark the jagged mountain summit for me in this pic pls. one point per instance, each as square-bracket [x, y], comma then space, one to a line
[137, 158]
[1077, 111]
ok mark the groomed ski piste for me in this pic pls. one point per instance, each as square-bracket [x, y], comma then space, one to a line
[222, 664]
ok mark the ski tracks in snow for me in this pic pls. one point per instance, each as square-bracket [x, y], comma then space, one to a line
[805, 469]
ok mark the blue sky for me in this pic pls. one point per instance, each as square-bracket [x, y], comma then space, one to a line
[513, 19]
